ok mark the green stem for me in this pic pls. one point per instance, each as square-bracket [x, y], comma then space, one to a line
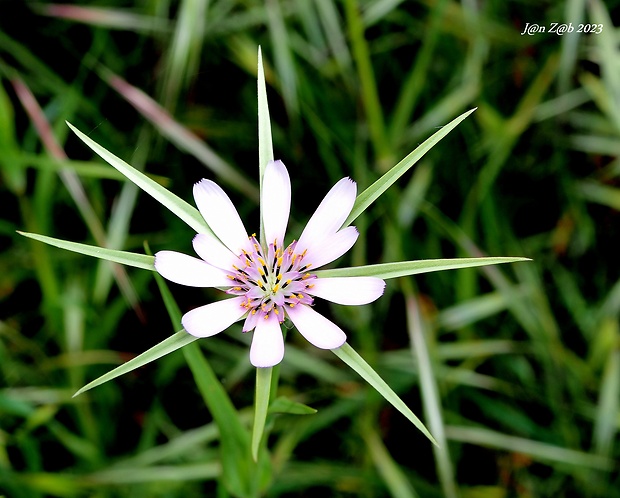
[261, 405]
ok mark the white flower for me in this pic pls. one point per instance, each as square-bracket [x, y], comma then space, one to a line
[270, 283]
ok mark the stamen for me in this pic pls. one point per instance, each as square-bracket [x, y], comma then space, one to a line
[264, 286]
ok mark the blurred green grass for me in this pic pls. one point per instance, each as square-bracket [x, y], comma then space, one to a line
[518, 368]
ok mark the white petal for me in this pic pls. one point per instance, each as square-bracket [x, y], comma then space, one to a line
[317, 329]
[267, 347]
[186, 270]
[220, 214]
[348, 290]
[212, 318]
[209, 248]
[331, 248]
[330, 215]
[276, 201]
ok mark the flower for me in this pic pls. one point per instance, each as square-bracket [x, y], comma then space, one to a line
[270, 282]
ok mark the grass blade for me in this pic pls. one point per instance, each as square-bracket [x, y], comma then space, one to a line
[179, 135]
[535, 449]
[392, 474]
[430, 392]
[606, 423]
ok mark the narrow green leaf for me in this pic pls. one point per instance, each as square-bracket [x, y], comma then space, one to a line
[181, 63]
[405, 268]
[265, 145]
[188, 213]
[284, 405]
[265, 155]
[237, 467]
[283, 57]
[85, 169]
[261, 404]
[431, 400]
[606, 420]
[165, 347]
[239, 471]
[123, 257]
[367, 81]
[157, 474]
[347, 354]
[12, 169]
[372, 193]
[601, 194]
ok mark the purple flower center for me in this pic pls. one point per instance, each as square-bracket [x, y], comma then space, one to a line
[271, 282]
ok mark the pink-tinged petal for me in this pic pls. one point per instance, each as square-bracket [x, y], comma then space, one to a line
[212, 318]
[347, 290]
[220, 214]
[209, 248]
[331, 248]
[267, 347]
[317, 329]
[251, 320]
[186, 270]
[330, 215]
[276, 201]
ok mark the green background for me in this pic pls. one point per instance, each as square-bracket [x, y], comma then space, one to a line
[523, 360]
